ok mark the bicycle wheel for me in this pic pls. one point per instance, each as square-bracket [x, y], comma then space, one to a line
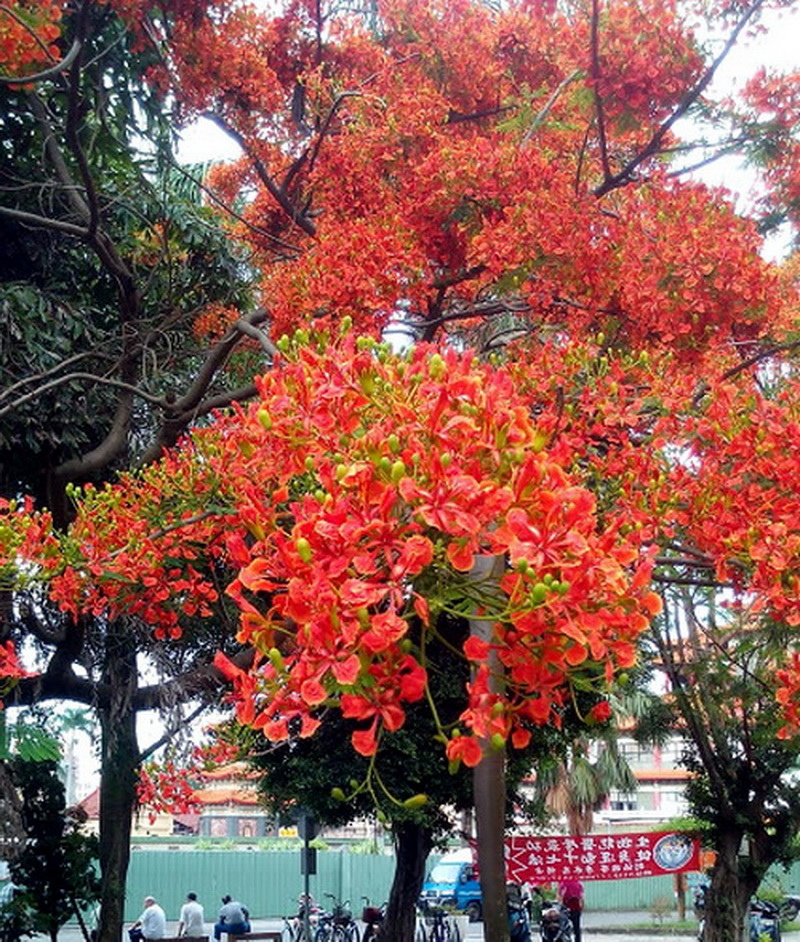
[352, 933]
[323, 934]
[287, 932]
[419, 934]
[436, 932]
[789, 910]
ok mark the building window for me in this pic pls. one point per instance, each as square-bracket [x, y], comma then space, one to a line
[623, 801]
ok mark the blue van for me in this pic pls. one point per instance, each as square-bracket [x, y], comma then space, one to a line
[453, 882]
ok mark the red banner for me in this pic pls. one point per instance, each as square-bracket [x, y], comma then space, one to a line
[537, 860]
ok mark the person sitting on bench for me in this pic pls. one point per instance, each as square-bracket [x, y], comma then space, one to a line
[152, 924]
[233, 918]
[191, 919]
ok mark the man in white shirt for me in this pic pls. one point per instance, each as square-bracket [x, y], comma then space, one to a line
[191, 922]
[152, 924]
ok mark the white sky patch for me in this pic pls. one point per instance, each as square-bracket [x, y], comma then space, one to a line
[203, 141]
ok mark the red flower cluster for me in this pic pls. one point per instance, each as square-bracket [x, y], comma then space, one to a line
[164, 789]
[407, 470]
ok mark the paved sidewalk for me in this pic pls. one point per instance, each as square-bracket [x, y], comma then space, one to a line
[607, 926]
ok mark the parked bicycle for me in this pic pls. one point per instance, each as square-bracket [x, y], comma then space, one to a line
[294, 927]
[372, 917]
[436, 926]
[337, 924]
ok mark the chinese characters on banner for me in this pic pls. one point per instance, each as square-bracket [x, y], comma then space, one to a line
[538, 860]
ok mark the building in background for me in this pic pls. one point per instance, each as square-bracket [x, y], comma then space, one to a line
[661, 792]
[227, 809]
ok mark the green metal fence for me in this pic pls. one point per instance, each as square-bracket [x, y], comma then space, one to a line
[269, 882]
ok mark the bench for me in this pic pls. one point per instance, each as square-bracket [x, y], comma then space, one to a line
[273, 935]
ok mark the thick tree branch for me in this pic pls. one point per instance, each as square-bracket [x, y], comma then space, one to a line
[250, 330]
[220, 401]
[66, 686]
[323, 131]
[216, 359]
[598, 98]
[56, 157]
[192, 405]
[205, 679]
[277, 192]
[114, 445]
[458, 117]
[688, 580]
[60, 682]
[74, 109]
[695, 562]
[44, 222]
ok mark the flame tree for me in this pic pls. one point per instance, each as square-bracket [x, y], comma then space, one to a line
[469, 176]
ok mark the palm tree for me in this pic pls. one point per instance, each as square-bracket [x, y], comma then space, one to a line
[577, 782]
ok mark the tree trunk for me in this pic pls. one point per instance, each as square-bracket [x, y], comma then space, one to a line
[728, 898]
[489, 780]
[413, 843]
[118, 777]
[489, 783]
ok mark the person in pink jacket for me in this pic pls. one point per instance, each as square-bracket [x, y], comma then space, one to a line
[570, 894]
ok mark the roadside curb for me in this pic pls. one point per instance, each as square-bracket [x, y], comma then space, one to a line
[666, 931]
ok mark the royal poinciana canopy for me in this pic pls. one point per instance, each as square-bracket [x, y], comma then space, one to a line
[472, 176]
[446, 166]
[354, 497]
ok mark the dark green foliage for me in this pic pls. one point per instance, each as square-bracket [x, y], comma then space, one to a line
[88, 306]
[28, 742]
[721, 669]
[109, 254]
[55, 869]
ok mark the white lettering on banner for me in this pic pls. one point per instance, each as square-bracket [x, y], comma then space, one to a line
[599, 857]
